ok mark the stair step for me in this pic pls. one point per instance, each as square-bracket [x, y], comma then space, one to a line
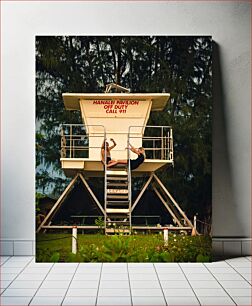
[116, 202]
[117, 191]
[117, 210]
[117, 197]
[125, 184]
[116, 172]
[113, 178]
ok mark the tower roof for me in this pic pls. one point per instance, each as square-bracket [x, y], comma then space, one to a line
[159, 100]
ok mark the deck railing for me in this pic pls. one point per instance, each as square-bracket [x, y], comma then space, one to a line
[75, 140]
[157, 140]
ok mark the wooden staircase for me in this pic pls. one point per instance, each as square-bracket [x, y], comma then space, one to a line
[117, 201]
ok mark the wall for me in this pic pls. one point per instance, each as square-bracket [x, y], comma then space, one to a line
[229, 24]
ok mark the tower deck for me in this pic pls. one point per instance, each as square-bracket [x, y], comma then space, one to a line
[95, 168]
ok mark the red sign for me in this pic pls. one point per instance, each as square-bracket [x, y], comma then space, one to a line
[116, 106]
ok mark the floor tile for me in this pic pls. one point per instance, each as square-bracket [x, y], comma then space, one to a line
[114, 292]
[85, 284]
[4, 259]
[51, 292]
[88, 270]
[209, 292]
[137, 270]
[220, 300]
[172, 276]
[14, 264]
[138, 276]
[114, 270]
[193, 270]
[200, 276]
[204, 284]
[5, 283]
[154, 300]
[172, 269]
[113, 284]
[58, 277]
[114, 277]
[82, 292]
[8, 276]
[80, 300]
[144, 284]
[239, 291]
[47, 300]
[191, 264]
[146, 292]
[15, 300]
[117, 301]
[216, 264]
[114, 265]
[86, 277]
[237, 259]
[178, 292]
[234, 284]
[24, 284]
[29, 276]
[241, 264]
[32, 270]
[243, 300]
[220, 270]
[140, 265]
[21, 258]
[67, 265]
[166, 264]
[174, 284]
[19, 292]
[189, 300]
[229, 276]
[33, 264]
[9, 270]
[247, 277]
[55, 284]
[242, 270]
[62, 271]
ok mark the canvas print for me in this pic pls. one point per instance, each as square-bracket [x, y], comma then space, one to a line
[123, 148]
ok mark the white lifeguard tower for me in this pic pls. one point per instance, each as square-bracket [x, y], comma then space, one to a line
[123, 116]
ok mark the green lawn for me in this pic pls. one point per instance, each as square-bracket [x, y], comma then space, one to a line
[134, 248]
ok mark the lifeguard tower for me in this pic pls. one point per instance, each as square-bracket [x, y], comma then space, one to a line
[123, 116]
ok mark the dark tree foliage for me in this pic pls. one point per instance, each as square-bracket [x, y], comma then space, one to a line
[179, 65]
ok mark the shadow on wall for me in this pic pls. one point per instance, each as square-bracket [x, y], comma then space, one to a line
[226, 220]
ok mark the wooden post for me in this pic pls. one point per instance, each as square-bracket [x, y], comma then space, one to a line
[166, 204]
[141, 193]
[56, 206]
[173, 201]
[166, 236]
[74, 240]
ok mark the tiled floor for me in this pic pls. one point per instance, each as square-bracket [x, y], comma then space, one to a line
[24, 282]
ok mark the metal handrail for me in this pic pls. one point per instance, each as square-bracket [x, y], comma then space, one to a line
[72, 138]
[74, 145]
[166, 148]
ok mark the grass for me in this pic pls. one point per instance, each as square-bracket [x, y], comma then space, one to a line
[135, 248]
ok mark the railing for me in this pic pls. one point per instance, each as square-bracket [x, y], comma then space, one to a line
[75, 140]
[157, 141]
